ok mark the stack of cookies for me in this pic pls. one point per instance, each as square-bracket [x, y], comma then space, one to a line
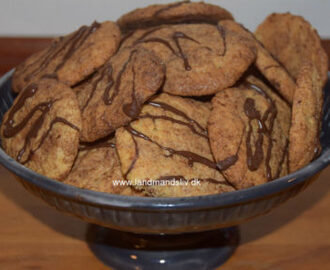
[170, 92]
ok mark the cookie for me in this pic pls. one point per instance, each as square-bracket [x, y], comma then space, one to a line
[169, 142]
[306, 118]
[292, 40]
[70, 58]
[174, 13]
[116, 93]
[97, 168]
[249, 131]
[200, 59]
[273, 71]
[41, 129]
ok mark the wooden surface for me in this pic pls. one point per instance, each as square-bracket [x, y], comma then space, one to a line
[35, 236]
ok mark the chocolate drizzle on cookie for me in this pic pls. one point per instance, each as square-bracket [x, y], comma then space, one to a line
[11, 130]
[163, 16]
[169, 7]
[106, 142]
[175, 37]
[173, 120]
[77, 41]
[190, 156]
[133, 108]
[70, 46]
[254, 159]
[222, 33]
[171, 109]
[92, 146]
[106, 71]
[34, 132]
[107, 98]
[227, 163]
[193, 125]
[106, 75]
[231, 160]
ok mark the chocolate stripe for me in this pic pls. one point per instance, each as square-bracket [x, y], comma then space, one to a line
[74, 43]
[175, 37]
[254, 159]
[176, 111]
[222, 33]
[132, 109]
[107, 71]
[169, 7]
[190, 156]
[107, 98]
[86, 147]
[9, 129]
[173, 120]
[34, 131]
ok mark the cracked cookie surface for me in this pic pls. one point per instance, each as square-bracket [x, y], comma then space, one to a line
[70, 58]
[169, 142]
[41, 129]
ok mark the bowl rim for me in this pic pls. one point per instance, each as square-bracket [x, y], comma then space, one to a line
[194, 203]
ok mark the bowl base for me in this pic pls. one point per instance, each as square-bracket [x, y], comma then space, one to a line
[122, 250]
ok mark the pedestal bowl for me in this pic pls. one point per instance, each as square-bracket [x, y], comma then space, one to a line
[165, 233]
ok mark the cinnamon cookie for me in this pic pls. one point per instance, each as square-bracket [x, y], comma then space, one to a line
[200, 59]
[249, 130]
[292, 40]
[70, 58]
[116, 93]
[274, 72]
[169, 142]
[175, 13]
[97, 168]
[306, 118]
[41, 129]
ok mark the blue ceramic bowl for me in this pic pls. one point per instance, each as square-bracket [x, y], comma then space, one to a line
[165, 215]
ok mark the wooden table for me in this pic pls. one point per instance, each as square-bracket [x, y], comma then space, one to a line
[35, 236]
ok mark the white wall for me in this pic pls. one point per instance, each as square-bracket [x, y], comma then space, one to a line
[53, 17]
